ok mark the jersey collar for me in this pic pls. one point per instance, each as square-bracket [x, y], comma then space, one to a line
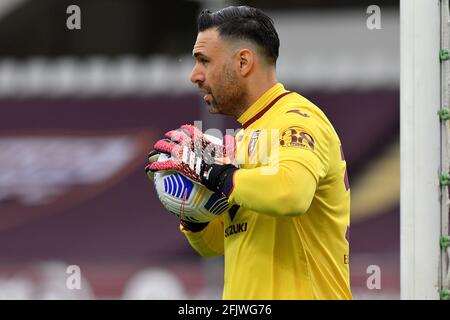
[260, 106]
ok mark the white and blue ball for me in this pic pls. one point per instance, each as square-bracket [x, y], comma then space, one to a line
[186, 199]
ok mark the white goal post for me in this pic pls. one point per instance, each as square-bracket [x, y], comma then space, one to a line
[424, 147]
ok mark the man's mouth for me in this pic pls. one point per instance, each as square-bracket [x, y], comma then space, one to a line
[208, 98]
[208, 95]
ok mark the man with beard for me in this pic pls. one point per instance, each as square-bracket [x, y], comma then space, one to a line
[286, 235]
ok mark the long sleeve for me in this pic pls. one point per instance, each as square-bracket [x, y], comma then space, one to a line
[209, 241]
[287, 192]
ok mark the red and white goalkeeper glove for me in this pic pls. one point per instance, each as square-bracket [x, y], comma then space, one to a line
[197, 158]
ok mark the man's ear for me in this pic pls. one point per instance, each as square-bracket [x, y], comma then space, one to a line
[246, 59]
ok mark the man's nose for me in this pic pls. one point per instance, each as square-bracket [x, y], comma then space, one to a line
[197, 76]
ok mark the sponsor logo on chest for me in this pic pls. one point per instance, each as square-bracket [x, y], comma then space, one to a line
[235, 228]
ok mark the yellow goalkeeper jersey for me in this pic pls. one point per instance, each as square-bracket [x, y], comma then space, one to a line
[286, 236]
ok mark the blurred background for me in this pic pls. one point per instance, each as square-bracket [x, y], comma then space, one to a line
[80, 109]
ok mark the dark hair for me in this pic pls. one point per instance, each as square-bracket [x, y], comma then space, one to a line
[243, 22]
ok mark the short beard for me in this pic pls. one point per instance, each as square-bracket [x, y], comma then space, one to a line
[230, 98]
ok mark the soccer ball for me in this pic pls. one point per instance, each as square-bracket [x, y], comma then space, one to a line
[187, 199]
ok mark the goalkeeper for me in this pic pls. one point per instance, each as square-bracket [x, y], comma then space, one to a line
[286, 235]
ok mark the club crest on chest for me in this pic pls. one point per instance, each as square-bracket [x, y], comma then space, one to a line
[252, 142]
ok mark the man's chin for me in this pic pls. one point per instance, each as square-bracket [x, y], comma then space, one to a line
[213, 109]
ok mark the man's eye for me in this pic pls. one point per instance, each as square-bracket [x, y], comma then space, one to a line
[203, 61]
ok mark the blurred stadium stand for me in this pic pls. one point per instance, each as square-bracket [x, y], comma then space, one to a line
[81, 109]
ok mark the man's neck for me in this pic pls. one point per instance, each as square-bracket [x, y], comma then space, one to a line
[255, 94]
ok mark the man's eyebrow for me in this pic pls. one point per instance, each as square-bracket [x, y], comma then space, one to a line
[199, 55]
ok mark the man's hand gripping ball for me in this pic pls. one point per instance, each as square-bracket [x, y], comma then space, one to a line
[194, 156]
